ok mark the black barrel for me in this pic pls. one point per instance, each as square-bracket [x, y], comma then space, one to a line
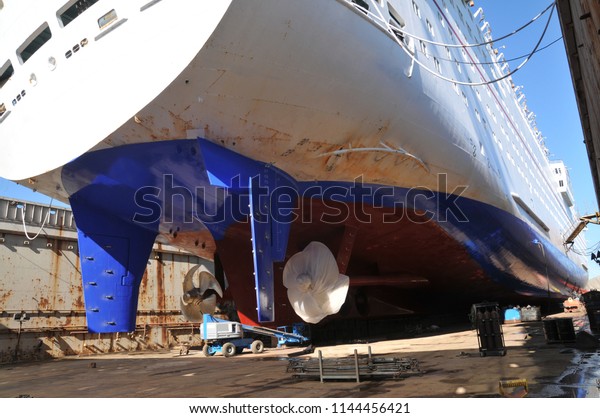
[486, 319]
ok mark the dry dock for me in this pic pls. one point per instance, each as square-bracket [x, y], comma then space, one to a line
[42, 280]
[449, 359]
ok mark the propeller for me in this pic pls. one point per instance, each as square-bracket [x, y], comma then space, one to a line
[315, 286]
[200, 290]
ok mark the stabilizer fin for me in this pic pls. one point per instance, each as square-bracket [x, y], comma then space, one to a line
[113, 255]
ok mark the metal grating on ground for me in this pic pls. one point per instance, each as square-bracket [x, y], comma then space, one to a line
[356, 368]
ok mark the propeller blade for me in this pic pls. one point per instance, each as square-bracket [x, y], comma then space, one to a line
[200, 290]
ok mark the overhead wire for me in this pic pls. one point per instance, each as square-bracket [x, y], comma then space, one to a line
[395, 29]
[399, 36]
[587, 251]
[498, 62]
[551, 6]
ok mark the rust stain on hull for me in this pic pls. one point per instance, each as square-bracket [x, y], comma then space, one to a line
[160, 283]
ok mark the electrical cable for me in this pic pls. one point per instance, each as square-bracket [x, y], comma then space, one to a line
[504, 60]
[587, 251]
[487, 82]
[43, 223]
[399, 36]
[551, 6]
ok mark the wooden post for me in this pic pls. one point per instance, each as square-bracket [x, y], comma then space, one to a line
[356, 365]
[320, 366]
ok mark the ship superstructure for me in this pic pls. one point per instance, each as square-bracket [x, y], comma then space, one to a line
[357, 158]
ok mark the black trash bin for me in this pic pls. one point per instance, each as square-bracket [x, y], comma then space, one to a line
[591, 300]
[559, 330]
[486, 319]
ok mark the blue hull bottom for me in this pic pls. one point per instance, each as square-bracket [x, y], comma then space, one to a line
[122, 198]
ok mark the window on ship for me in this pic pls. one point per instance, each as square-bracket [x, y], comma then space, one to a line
[430, 27]
[416, 9]
[396, 20]
[70, 11]
[34, 42]
[361, 3]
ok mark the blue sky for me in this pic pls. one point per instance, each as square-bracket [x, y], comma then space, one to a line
[548, 88]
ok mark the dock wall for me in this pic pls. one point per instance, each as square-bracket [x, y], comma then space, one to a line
[40, 279]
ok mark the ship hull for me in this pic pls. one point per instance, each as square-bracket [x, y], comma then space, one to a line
[383, 163]
[411, 250]
[279, 96]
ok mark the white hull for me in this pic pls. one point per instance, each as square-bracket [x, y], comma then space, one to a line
[282, 94]
[321, 91]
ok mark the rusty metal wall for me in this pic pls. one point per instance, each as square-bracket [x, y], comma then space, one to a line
[41, 278]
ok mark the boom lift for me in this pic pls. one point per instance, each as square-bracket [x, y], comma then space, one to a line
[583, 222]
[230, 338]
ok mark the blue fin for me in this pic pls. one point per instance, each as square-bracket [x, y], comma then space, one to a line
[113, 255]
[270, 212]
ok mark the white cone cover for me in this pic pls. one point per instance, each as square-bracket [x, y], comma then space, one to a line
[315, 286]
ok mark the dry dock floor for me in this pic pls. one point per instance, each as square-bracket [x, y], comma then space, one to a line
[449, 359]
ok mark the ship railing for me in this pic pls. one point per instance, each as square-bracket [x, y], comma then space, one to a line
[365, 7]
[375, 12]
[530, 118]
[21, 212]
[504, 67]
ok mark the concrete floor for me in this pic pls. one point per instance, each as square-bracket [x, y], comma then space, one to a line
[450, 361]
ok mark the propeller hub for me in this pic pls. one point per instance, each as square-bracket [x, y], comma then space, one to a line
[187, 298]
[304, 282]
[200, 291]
